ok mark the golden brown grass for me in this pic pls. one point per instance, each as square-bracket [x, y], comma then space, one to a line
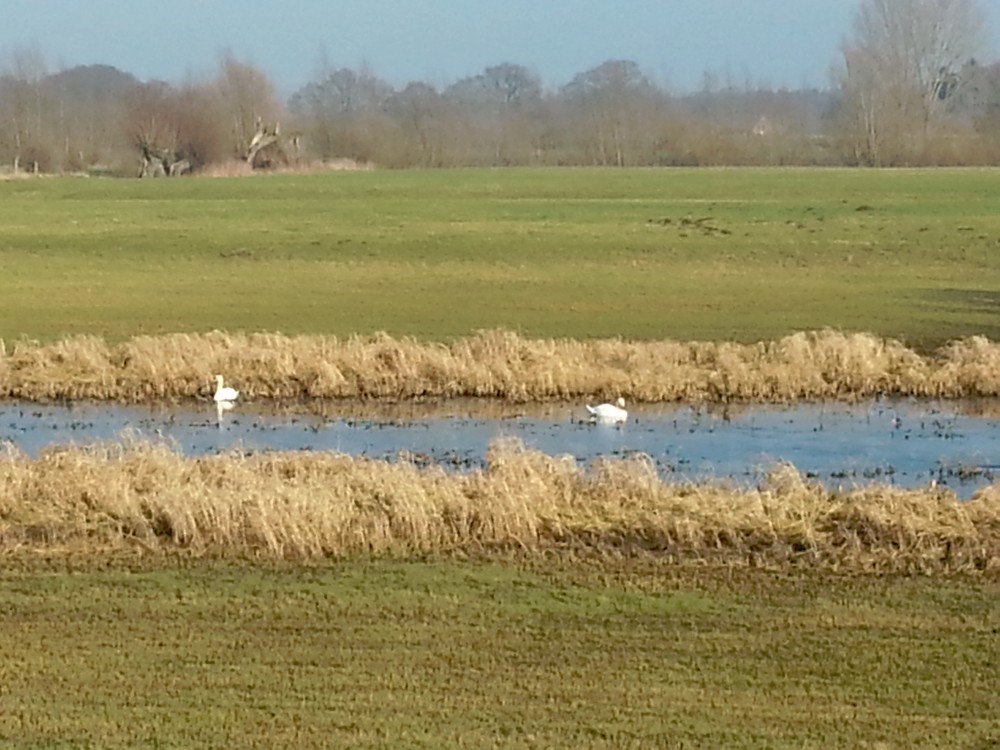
[297, 506]
[495, 364]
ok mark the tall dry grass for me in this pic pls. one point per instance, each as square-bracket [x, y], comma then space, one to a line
[495, 364]
[308, 506]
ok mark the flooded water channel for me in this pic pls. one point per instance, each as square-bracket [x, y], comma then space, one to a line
[907, 442]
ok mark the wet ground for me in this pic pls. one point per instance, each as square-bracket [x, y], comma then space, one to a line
[908, 443]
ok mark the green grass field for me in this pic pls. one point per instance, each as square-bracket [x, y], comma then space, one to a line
[742, 254]
[542, 650]
[539, 654]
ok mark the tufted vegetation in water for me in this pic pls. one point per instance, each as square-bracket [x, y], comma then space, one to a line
[302, 506]
[496, 364]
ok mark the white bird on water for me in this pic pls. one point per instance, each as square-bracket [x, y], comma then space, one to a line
[224, 398]
[613, 413]
[224, 392]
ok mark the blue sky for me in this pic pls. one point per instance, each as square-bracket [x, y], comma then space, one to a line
[776, 43]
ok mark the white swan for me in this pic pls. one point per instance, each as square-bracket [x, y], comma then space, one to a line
[224, 393]
[609, 412]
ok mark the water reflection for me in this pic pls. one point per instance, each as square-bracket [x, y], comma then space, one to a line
[221, 407]
[903, 442]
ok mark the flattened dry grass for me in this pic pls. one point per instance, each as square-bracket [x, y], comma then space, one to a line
[496, 364]
[290, 506]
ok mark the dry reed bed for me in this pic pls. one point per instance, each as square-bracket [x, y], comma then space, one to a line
[495, 364]
[311, 506]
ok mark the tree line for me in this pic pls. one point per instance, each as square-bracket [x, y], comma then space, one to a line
[909, 88]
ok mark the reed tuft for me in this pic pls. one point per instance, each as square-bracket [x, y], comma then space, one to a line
[496, 364]
[295, 506]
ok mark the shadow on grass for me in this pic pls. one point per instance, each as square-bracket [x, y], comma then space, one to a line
[963, 303]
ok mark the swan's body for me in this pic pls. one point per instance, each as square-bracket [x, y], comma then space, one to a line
[609, 412]
[223, 392]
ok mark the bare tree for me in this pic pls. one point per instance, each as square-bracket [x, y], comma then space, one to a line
[615, 103]
[341, 114]
[981, 101]
[247, 99]
[26, 111]
[151, 123]
[176, 130]
[420, 116]
[901, 65]
[88, 108]
[501, 109]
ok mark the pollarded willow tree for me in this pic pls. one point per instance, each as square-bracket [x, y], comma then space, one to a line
[902, 65]
[246, 99]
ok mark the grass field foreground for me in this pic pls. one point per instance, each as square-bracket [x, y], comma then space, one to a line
[646, 254]
[558, 653]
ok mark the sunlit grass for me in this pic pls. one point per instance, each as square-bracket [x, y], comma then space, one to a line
[448, 654]
[633, 613]
[647, 254]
